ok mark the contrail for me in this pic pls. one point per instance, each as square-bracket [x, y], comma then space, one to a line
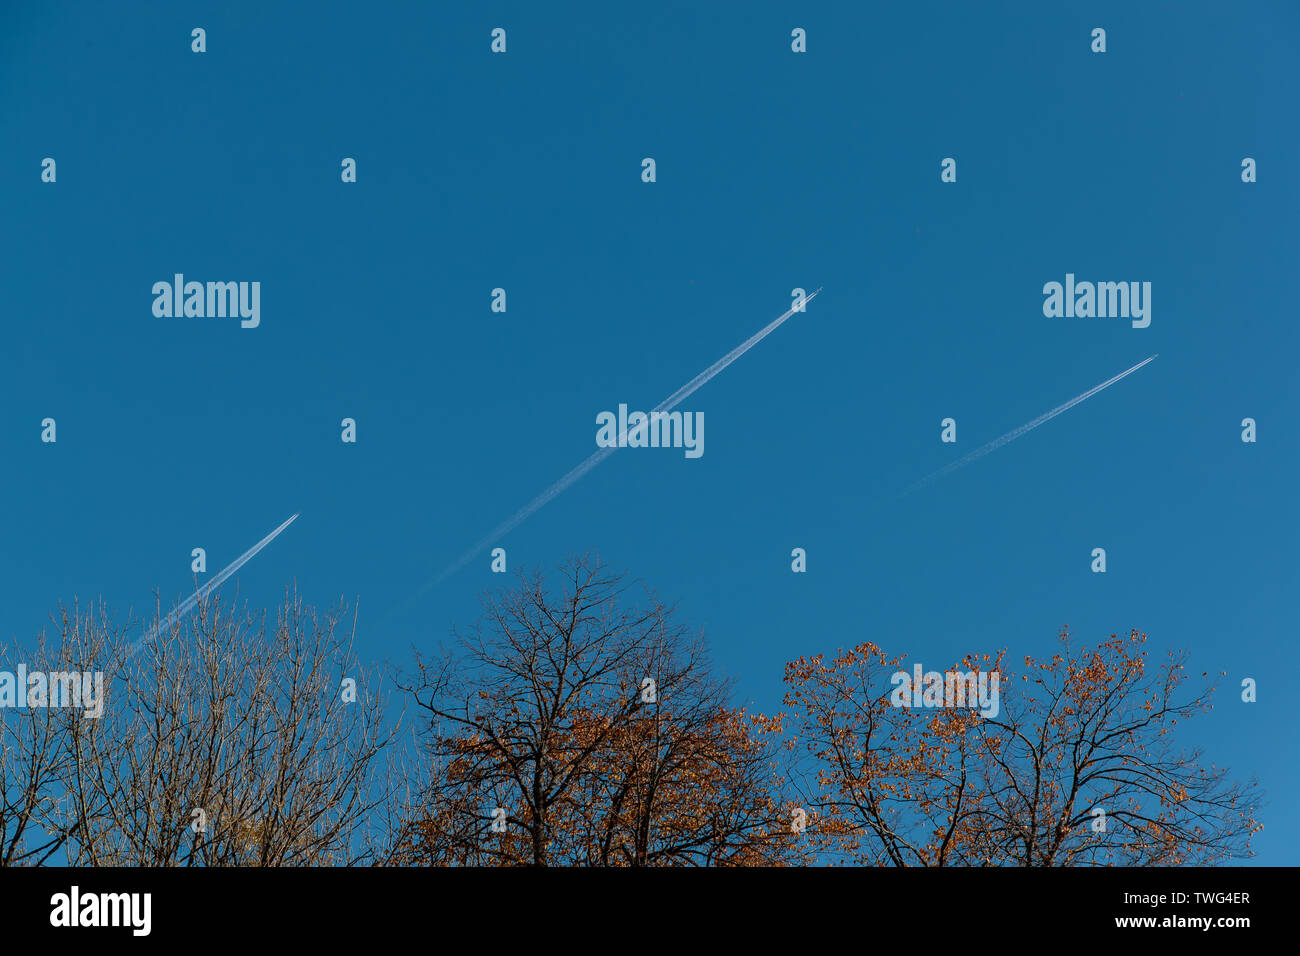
[202, 592]
[1028, 426]
[524, 513]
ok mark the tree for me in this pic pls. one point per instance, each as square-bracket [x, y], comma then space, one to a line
[1079, 767]
[33, 754]
[226, 742]
[590, 730]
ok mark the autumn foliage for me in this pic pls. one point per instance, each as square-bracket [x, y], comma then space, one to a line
[579, 722]
[596, 728]
[540, 724]
[1079, 768]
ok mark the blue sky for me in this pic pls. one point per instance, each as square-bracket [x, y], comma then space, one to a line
[774, 170]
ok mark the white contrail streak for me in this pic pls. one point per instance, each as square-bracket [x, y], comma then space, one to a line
[524, 513]
[187, 605]
[1028, 426]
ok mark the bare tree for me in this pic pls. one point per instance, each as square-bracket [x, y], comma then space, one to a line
[34, 818]
[225, 743]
